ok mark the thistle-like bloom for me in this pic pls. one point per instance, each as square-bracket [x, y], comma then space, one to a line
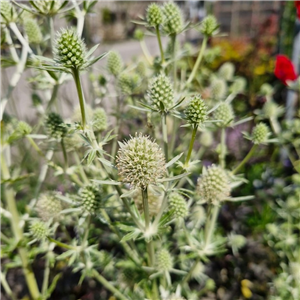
[90, 199]
[226, 71]
[8, 13]
[33, 31]
[238, 85]
[218, 88]
[161, 93]
[213, 186]
[23, 128]
[114, 63]
[271, 109]
[154, 15]
[260, 133]
[209, 26]
[196, 112]
[224, 114]
[154, 201]
[99, 119]
[48, 206]
[128, 82]
[164, 260]
[178, 205]
[140, 161]
[55, 126]
[70, 50]
[39, 230]
[172, 18]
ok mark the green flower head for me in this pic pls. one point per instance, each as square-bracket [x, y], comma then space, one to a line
[114, 63]
[48, 206]
[172, 18]
[178, 205]
[260, 134]
[55, 126]
[164, 260]
[209, 26]
[154, 15]
[39, 230]
[196, 112]
[90, 199]
[224, 114]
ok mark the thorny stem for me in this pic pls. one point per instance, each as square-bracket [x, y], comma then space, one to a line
[76, 76]
[247, 157]
[108, 285]
[196, 66]
[191, 147]
[165, 133]
[160, 44]
[18, 232]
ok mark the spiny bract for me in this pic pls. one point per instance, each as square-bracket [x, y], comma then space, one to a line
[48, 206]
[70, 50]
[140, 161]
[161, 93]
[91, 199]
[172, 18]
[196, 112]
[213, 186]
[55, 126]
[154, 15]
[224, 114]
[260, 134]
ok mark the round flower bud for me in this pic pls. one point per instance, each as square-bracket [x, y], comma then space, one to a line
[210, 284]
[33, 31]
[226, 71]
[198, 270]
[238, 85]
[164, 260]
[260, 133]
[138, 34]
[154, 15]
[172, 18]
[99, 119]
[90, 198]
[48, 206]
[73, 141]
[140, 161]
[209, 25]
[218, 88]
[213, 186]
[23, 128]
[206, 139]
[70, 50]
[128, 82]
[224, 114]
[154, 201]
[114, 63]
[76, 116]
[161, 93]
[196, 112]
[236, 241]
[178, 205]
[55, 126]
[7, 11]
[266, 89]
[271, 109]
[39, 230]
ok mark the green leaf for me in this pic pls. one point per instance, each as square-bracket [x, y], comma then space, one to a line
[128, 194]
[91, 156]
[172, 161]
[92, 61]
[173, 178]
[92, 50]
[108, 182]
[53, 285]
[130, 236]
[126, 227]
[105, 162]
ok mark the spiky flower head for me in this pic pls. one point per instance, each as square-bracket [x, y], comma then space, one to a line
[55, 126]
[154, 200]
[172, 18]
[164, 260]
[213, 186]
[70, 50]
[260, 133]
[209, 25]
[178, 205]
[271, 109]
[154, 15]
[90, 198]
[114, 63]
[99, 119]
[128, 82]
[140, 161]
[48, 206]
[33, 31]
[138, 34]
[218, 88]
[236, 241]
[47, 7]
[224, 114]
[8, 13]
[238, 85]
[141, 68]
[23, 128]
[196, 111]
[39, 230]
[161, 93]
[226, 71]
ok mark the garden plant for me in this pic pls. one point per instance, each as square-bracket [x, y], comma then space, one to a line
[160, 179]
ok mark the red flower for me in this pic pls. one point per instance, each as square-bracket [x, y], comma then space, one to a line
[284, 69]
[297, 4]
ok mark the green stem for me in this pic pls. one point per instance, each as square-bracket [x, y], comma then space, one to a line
[76, 76]
[146, 53]
[146, 207]
[46, 275]
[20, 37]
[196, 66]
[81, 170]
[64, 153]
[210, 228]
[18, 233]
[11, 46]
[52, 35]
[173, 39]
[6, 287]
[187, 160]
[223, 148]
[165, 133]
[160, 44]
[53, 97]
[62, 245]
[189, 274]
[108, 285]
[35, 146]
[248, 156]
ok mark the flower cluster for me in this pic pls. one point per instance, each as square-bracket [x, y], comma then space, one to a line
[48, 206]
[224, 114]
